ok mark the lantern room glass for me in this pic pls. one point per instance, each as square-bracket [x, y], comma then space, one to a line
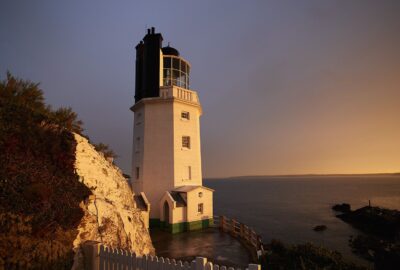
[176, 71]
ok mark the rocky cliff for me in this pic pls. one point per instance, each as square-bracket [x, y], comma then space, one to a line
[56, 191]
[46, 213]
[109, 214]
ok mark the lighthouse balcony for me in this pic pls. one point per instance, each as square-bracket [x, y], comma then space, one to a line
[179, 93]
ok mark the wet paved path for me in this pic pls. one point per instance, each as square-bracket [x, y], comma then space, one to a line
[218, 247]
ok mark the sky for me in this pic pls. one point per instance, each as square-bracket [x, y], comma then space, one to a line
[287, 87]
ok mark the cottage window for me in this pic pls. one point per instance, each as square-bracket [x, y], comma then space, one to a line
[200, 208]
[186, 142]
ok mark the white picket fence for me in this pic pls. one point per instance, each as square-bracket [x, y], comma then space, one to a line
[100, 257]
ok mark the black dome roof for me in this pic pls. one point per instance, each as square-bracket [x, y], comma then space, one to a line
[170, 51]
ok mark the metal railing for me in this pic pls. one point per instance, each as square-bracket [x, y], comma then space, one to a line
[242, 232]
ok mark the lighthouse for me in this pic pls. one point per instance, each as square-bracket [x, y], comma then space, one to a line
[166, 158]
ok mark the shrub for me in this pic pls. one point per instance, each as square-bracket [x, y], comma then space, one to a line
[304, 256]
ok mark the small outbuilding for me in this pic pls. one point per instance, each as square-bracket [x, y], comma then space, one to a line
[140, 202]
[186, 208]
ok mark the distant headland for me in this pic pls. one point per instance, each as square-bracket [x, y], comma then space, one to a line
[303, 175]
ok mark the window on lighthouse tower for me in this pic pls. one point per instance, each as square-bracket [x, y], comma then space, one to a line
[186, 142]
[185, 115]
[137, 144]
[189, 172]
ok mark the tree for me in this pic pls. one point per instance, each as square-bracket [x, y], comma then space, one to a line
[23, 93]
[27, 98]
[68, 119]
[105, 149]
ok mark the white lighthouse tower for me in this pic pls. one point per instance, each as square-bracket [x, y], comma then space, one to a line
[166, 163]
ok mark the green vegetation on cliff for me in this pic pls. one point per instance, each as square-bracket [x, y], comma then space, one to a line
[39, 189]
[304, 256]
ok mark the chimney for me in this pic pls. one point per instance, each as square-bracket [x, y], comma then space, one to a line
[153, 30]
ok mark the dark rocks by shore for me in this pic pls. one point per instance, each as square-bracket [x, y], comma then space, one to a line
[344, 207]
[385, 254]
[380, 242]
[320, 228]
[374, 220]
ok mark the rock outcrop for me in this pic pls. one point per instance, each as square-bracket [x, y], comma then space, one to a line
[380, 241]
[56, 191]
[344, 208]
[109, 214]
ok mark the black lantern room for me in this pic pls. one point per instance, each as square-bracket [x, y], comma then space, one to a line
[173, 68]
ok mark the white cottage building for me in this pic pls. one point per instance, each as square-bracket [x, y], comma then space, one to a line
[166, 167]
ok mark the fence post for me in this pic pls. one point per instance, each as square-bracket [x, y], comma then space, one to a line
[221, 222]
[233, 229]
[133, 261]
[201, 263]
[91, 250]
[245, 232]
[192, 265]
[254, 238]
[254, 266]
[259, 242]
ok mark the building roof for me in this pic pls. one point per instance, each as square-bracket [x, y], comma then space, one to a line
[140, 203]
[170, 51]
[180, 202]
[190, 188]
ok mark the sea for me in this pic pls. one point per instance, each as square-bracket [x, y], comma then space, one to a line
[289, 207]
